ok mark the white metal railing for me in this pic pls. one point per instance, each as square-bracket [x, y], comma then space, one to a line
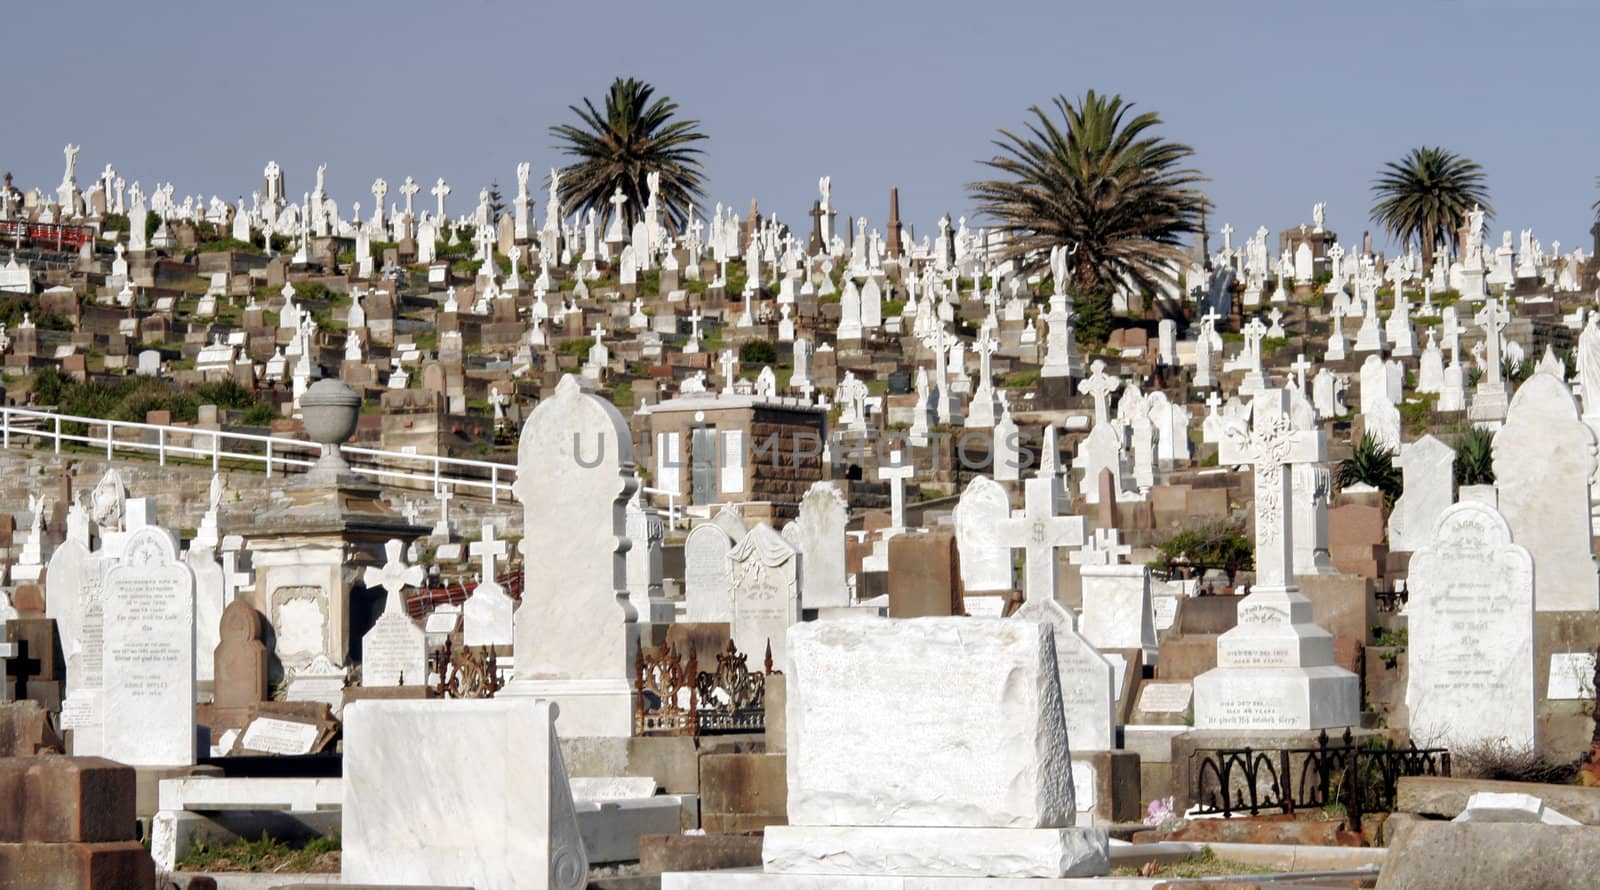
[270, 453]
[480, 477]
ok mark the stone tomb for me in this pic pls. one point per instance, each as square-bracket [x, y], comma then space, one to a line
[149, 654]
[1470, 662]
[932, 809]
[485, 800]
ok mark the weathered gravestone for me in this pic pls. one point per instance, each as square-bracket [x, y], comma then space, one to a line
[148, 703]
[1429, 468]
[705, 573]
[240, 665]
[764, 580]
[1544, 459]
[576, 639]
[985, 557]
[819, 534]
[1470, 656]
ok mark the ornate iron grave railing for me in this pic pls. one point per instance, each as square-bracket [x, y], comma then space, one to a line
[675, 697]
[465, 672]
[1361, 778]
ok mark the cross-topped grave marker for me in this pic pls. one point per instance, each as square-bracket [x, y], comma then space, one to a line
[394, 651]
[489, 550]
[1039, 529]
[896, 473]
[1099, 385]
[1270, 444]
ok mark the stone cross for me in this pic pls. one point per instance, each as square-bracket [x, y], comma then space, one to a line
[616, 201]
[489, 550]
[409, 188]
[394, 577]
[728, 363]
[440, 190]
[1254, 332]
[1300, 366]
[985, 347]
[1214, 401]
[1271, 444]
[1038, 529]
[598, 333]
[1494, 318]
[897, 472]
[1099, 385]
[233, 580]
[1227, 236]
[694, 324]
[1103, 548]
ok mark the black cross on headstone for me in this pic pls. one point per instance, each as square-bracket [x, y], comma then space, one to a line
[817, 213]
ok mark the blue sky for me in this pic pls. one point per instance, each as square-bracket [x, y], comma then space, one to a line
[1283, 108]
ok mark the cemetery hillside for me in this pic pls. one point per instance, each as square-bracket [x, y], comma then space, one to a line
[598, 522]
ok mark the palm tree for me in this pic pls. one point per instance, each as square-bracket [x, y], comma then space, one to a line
[1102, 184]
[1425, 196]
[620, 147]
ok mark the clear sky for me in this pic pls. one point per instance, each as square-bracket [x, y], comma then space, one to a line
[1283, 107]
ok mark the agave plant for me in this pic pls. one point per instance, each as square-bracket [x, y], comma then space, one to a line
[1475, 457]
[1371, 465]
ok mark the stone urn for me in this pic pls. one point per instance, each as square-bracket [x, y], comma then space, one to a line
[329, 409]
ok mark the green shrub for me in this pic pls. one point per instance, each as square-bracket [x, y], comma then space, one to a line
[1211, 545]
[758, 352]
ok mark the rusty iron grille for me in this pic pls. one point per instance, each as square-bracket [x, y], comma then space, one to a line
[465, 672]
[1360, 778]
[675, 697]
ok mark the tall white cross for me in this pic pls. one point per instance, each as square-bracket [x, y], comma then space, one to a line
[1494, 318]
[1300, 366]
[489, 550]
[1254, 332]
[439, 191]
[1227, 236]
[394, 577]
[1271, 444]
[409, 188]
[1038, 529]
[896, 473]
[1099, 385]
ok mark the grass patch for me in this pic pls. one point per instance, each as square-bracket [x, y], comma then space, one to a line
[264, 855]
[1205, 865]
